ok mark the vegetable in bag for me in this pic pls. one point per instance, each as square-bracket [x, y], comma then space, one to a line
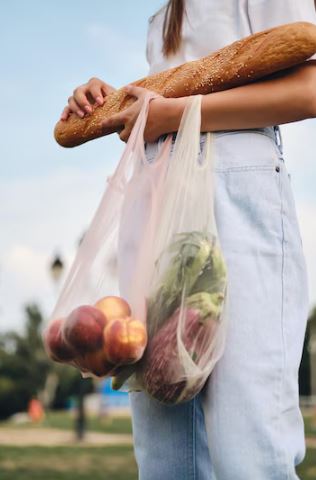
[187, 288]
[201, 270]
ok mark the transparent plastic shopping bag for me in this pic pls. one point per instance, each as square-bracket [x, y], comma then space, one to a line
[158, 323]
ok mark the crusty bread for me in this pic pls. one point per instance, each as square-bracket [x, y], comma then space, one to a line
[239, 63]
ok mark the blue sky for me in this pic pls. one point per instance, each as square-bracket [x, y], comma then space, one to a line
[48, 48]
[48, 194]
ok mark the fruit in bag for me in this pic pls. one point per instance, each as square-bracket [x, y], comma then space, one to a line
[98, 339]
[125, 340]
[113, 307]
[95, 362]
[83, 329]
[58, 349]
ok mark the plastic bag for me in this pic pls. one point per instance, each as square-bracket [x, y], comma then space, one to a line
[145, 298]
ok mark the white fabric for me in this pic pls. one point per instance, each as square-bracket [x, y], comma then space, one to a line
[213, 24]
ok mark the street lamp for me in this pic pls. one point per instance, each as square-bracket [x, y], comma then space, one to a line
[56, 268]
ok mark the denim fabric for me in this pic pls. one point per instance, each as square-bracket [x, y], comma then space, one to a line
[246, 423]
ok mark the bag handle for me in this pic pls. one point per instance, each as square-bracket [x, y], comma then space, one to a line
[189, 133]
[134, 151]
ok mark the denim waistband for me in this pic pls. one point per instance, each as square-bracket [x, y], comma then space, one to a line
[272, 132]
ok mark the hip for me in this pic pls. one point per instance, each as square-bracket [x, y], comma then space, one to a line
[254, 200]
[247, 149]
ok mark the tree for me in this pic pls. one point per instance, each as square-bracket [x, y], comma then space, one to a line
[307, 371]
[25, 366]
[305, 366]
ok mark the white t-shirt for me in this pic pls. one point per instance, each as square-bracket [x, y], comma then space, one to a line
[213, 24]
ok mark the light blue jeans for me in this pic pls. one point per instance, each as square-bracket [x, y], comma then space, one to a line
[246, 423]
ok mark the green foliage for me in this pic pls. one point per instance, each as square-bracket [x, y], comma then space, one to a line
[305, 365]
[67, 463]
[24, 367]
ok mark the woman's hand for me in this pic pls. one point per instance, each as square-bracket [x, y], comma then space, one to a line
[160, 117]
[86, 95]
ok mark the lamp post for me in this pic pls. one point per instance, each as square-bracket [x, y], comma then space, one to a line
[56, 271]
[80, 422]
[56, 268]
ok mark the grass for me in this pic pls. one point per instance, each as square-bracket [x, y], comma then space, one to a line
[307, 469]
[80, 463]
[105, 424]
[310, 427]
[86, 463]
[70, 463]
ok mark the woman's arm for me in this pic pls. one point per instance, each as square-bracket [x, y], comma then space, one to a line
[281, 98]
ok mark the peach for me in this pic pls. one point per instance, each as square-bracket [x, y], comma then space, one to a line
[83, 329]
[113, 307]
[56, 345]
[125, 340]
[95, 362]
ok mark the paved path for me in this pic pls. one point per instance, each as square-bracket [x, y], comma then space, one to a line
[48, 437]
[311, 442]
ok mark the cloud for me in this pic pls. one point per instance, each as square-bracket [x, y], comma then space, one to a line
[42, 215]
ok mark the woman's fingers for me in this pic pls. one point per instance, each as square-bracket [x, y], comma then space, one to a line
[65, 113]
[107, 89]
[124, 134]
[99, 89]
[74, 107]
[135, 91]
[80, 97]
[91, 93]
[96, 93]
[117, 120]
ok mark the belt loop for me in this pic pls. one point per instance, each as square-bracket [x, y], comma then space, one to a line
[278, 138]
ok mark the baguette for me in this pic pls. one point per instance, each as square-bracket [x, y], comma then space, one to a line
[239, 63]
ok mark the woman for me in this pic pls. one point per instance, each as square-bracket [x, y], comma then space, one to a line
[246, 423]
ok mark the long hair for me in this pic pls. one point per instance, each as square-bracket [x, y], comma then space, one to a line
[172, 26]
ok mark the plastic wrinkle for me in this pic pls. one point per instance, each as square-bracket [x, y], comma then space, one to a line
[152, 251]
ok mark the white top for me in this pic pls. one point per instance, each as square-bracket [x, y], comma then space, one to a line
[213, 24]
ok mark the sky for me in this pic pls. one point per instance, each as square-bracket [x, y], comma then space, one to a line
[48, 194]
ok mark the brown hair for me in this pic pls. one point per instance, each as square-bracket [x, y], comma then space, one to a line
[172, 26]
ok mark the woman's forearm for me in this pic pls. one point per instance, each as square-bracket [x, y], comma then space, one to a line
[286, 97]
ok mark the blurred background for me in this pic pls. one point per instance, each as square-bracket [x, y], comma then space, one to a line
[53, 423]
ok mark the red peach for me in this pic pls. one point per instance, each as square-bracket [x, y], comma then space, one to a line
[83, 329]
[56, 345]
[113, 307]
[95, 362]
[125, 340]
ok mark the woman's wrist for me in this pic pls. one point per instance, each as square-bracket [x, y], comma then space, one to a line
[174, 111]
[165, 115]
